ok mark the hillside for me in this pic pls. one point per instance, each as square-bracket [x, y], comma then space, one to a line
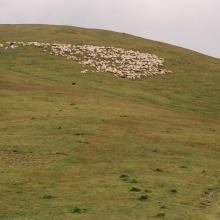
[94, 146]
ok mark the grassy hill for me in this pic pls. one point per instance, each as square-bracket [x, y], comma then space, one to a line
[93, 146]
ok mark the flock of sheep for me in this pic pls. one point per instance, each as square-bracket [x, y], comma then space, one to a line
[123, 63]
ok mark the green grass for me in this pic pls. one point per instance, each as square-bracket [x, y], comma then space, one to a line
[64, 147]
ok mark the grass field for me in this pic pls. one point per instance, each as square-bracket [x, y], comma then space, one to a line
[93, 146]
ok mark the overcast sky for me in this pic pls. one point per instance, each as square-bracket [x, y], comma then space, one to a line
[193, 24]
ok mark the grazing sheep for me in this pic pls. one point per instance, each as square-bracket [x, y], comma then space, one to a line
[118, 61]
[84, 71]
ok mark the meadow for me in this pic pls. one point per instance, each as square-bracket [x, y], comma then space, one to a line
[93, 146]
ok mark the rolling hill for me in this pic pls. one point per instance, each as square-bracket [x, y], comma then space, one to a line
[94, 146]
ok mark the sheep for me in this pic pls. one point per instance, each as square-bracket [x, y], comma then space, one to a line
[84, 71]
[118, 61]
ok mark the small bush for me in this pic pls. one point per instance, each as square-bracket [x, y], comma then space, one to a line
[163, 207]
[48, 196]
[160, 215]
[134, 189]
[173, 191]
[124, 177]
[143, 198]
[133, 181]
[77, 210]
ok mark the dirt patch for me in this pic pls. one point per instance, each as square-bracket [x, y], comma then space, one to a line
[16, 158]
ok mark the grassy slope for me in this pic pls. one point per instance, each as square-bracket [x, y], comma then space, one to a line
[126, 127]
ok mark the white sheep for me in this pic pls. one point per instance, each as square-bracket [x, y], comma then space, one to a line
[118, 61]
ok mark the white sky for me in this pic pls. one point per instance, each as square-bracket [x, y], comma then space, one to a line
[193, 24]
